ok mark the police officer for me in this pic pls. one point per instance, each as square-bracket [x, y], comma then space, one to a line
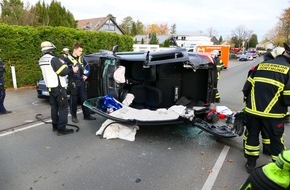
[54, 73]
[272, 176]
[2, 90]
[267, 97]
[79, 71]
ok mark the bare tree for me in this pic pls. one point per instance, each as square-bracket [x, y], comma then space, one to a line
[242, 34]
[275, 35]
[212, 32]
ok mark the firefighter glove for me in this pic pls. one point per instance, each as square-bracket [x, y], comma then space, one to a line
[239, 123]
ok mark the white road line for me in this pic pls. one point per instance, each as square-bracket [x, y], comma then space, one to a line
[216, 169]
[28, 127]
[21, 129]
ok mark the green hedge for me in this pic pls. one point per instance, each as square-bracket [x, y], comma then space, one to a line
[20, 47]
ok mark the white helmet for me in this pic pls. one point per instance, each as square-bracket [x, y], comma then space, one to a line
[214, 53]
[46, 45]
[277, 51]
[65, 50]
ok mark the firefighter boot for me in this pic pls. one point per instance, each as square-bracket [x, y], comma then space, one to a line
[250, 165]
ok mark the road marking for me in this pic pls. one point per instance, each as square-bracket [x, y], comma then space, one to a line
[21, 129]
[28, 127]
[216, 169]
[35, 103]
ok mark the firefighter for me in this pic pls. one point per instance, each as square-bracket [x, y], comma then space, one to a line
[54, 73]
[272, 176]
[79, 71]
[220, 65]
[267, 97]
[268, 56]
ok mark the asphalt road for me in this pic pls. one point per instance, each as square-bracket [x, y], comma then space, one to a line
[33, 157]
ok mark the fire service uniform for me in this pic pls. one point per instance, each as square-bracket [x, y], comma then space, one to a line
[267, 96]
[54, 74]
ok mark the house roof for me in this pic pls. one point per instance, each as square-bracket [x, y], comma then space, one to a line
[95, 23]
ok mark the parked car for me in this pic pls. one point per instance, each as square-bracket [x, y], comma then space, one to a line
[245, 57]
[41, 89]
[253, 53]
[158, 83]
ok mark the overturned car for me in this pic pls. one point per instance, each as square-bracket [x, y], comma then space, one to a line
[154, 88]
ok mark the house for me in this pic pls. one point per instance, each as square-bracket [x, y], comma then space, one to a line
[265, 45]
[181, 40]
[108, 24]
[146, 39]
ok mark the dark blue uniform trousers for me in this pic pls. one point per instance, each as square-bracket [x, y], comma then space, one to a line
[59, 111]
[80, 95]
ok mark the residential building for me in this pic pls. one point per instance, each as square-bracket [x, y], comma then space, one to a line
[108, 24]
[180, 39]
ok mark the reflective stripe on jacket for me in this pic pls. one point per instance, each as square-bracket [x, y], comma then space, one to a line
[267, 89]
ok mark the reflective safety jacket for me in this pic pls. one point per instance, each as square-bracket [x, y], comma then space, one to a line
[267, 89]
[275, 174]
[52, 69]
[267, 177]
[84, 68]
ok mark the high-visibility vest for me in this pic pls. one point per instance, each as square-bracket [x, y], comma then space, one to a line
[49, 75]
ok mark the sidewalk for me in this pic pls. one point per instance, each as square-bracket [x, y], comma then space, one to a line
[24, 105]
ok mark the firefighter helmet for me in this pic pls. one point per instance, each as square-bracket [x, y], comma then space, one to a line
[277, 51]
[283, 160]
[65, 50]
[214, 53]
[47, 46]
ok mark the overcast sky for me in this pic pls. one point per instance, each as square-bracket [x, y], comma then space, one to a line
[189, 15]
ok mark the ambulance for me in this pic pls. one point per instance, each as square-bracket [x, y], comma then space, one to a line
[223, 49]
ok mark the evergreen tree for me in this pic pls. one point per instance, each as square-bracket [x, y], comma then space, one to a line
[134, 29]
[142, 41]
[41, 10]
[253, 41]
[173, 29]
[53, 15]
[139, 27]
[166, 43]
[220, 39]
[153, 38]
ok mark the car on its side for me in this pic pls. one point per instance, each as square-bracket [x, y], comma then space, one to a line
[171, 86]
[148, 88]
